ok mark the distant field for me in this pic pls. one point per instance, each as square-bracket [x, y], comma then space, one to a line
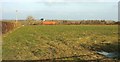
[57, 41]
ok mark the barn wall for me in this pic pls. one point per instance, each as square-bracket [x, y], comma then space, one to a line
[49, 23]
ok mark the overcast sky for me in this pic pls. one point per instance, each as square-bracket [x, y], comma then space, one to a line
[61, 9]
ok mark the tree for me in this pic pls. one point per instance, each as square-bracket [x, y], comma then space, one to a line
[30, 19]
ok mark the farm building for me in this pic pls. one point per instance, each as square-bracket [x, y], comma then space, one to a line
[42, 19]
[49, 23]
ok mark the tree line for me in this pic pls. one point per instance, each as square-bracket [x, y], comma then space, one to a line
[91, 22]
[31, 20]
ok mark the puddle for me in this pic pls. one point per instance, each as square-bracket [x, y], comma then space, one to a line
[109, 54]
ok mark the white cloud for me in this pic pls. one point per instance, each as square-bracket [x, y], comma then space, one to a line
[52, 1]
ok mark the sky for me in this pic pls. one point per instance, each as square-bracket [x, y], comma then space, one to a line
[61, 9]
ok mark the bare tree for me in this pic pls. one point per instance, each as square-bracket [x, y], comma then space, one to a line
[30, 19]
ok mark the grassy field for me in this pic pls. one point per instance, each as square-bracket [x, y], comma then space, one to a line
[74, 42]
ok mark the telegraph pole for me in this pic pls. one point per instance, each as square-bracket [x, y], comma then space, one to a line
[16, 16]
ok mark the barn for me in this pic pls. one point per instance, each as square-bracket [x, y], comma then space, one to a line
[49, 23]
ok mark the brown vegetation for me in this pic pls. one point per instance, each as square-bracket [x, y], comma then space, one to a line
[78, 22]
[7, 26]
[90, 22]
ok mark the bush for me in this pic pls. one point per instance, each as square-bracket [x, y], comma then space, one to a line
[7, 26]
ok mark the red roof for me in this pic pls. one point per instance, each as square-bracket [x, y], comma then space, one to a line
[49, 23]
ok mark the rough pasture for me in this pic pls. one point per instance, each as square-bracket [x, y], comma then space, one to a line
[74, 42]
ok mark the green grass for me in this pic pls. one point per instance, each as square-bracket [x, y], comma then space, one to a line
[47, 42]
